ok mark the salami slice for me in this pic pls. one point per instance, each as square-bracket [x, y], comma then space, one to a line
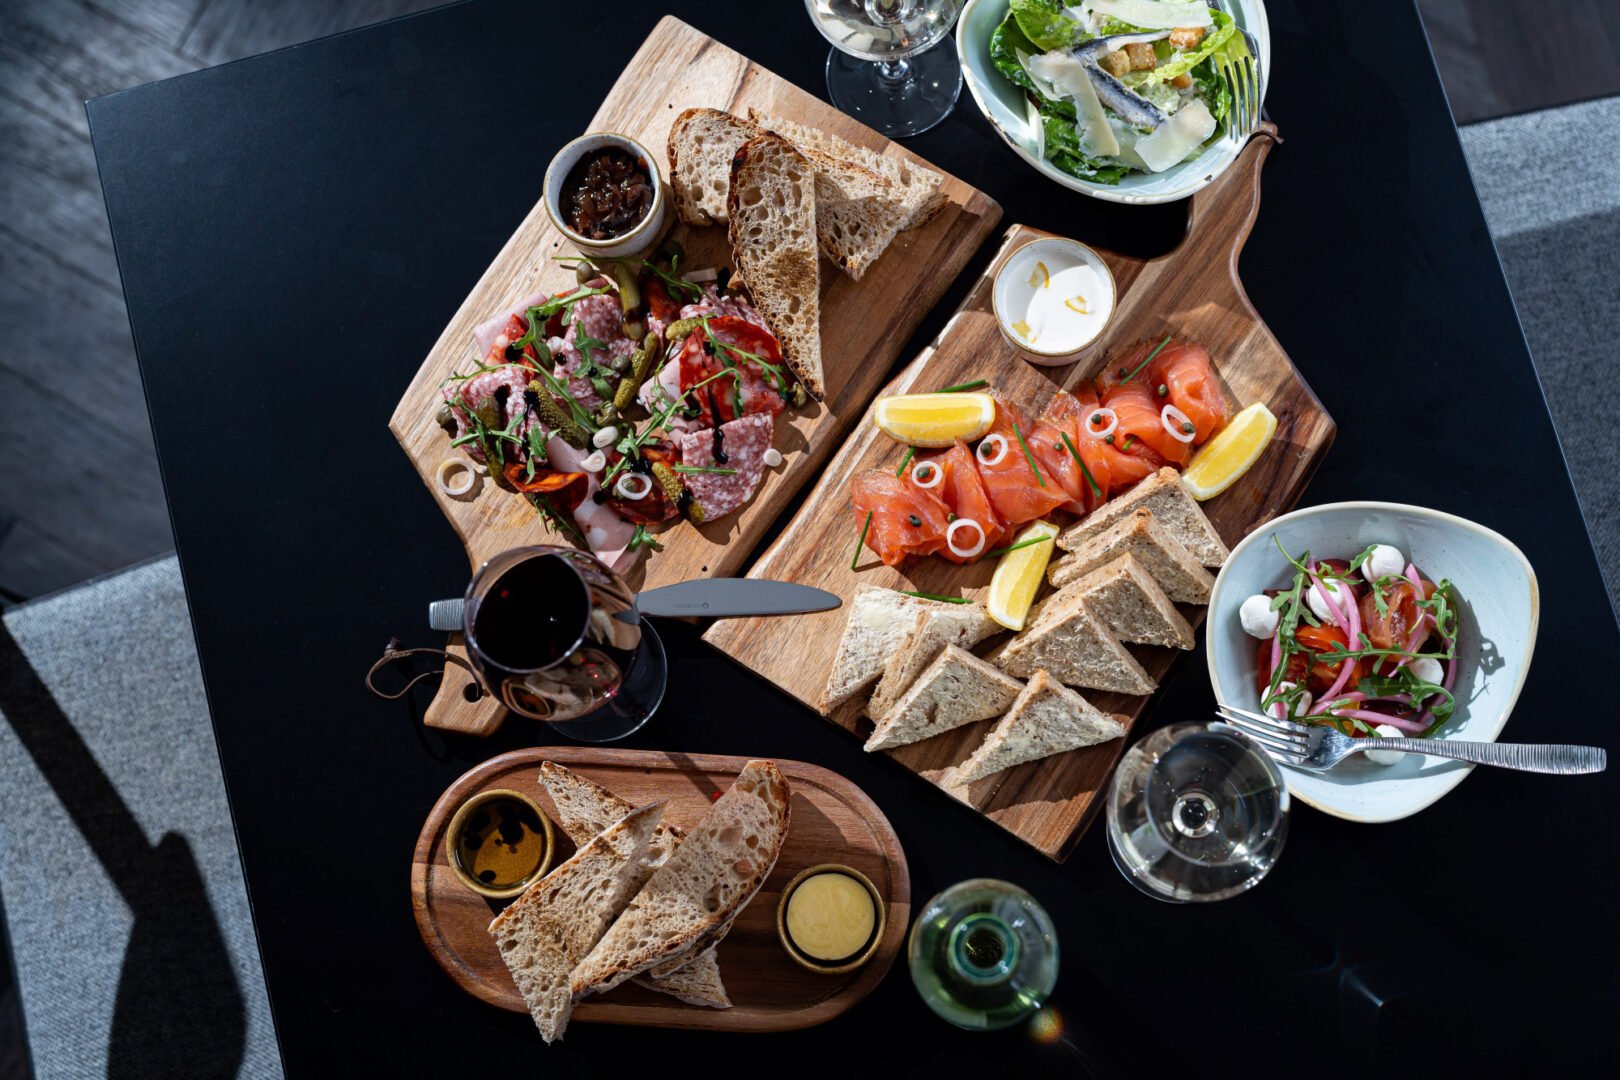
[739, 445]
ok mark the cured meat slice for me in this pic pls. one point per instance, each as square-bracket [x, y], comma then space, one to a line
[721, 382]
[496, 396]
[715, 304]
[738, 445]
[594, 337]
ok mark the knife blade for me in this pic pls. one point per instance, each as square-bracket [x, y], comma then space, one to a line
[715, 598]
[719, 598]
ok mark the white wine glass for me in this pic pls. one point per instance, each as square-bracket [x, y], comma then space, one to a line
[888, 67]
[1196, 812]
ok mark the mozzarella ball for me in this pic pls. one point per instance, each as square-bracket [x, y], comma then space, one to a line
[1313, 599]
[1385, 561]
[1386, 757]
[1427, 669]
[1302, 704]
[1258, 620]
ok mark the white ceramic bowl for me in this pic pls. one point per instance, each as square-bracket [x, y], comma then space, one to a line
[1004, 105]
[637, 240]
[1012, 291]
[1498, 606]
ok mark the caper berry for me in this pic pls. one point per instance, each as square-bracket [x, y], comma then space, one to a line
[584, 271]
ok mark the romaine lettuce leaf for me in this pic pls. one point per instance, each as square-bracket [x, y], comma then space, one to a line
[1063, 146]
[1214, 89]
[1005, 42]
[1046, 24]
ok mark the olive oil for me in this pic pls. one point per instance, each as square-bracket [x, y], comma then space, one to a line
[501, 843]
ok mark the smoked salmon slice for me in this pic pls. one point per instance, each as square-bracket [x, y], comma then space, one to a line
[1114, 469]
[964, 494]
[1018, 492]
[906, 519]
[1179, 375]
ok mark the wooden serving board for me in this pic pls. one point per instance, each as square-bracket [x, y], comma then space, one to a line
[831, 820]
[1193, 292]
[864, 324]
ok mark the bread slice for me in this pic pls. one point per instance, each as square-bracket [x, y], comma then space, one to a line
[921, 197]
[879, 620]
[702, 143]
[1181, 576]
[1129, 601]
[696, 983]
[772, 209]
[957, 688]
[1048, 718]
[543, 934]
[585, 808]
[1072, 643]
[1172, 506]
[713, 874]
[963, 625]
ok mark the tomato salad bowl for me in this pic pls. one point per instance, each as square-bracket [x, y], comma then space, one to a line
[1497, 610]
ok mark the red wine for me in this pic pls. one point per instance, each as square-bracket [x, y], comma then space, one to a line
[533, 615]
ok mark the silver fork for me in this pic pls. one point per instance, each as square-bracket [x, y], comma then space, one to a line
[1239, 64]
[1319, 747]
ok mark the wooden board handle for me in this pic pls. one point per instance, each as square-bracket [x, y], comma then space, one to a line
[1222, 214]
[451, 710]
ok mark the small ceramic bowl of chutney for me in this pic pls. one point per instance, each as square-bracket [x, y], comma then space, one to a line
[604, 193]
[500, 843]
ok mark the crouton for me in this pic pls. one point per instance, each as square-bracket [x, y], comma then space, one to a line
[1116, 63]
[1141, 56]
[1186, 37]
[1182, 81]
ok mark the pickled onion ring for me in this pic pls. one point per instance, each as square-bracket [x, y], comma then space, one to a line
[1102, 432]
[461, 486]
[933, 473]
[950, 539]
[999, 443]
[623, 489]
[1174, 421]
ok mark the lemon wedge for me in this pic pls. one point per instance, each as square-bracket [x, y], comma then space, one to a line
[1019, 574]
[1230, 453]
[934, 419]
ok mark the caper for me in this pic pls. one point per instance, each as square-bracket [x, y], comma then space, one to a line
[445, 416]
[620, 364]
[608, 413]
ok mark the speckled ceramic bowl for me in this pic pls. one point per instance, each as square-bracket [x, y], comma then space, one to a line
[1498, 607]
[647, 231]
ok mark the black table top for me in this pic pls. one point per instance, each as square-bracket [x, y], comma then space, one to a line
[295, 229]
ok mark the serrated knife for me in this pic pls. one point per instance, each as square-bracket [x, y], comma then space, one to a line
[711, 598]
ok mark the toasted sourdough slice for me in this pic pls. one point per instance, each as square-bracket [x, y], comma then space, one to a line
[957, 688]
[1048, 718]
[1076, 647]
[713, 874]
[772, 209]
[585, 808]
[879, 620]
[963, 625]
[1129, 601]
[543, 934]
[702, 143]
[921, 198]
[1172, 506]
[1181, 576]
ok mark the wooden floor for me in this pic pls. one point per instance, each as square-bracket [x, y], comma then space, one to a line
[79, 488]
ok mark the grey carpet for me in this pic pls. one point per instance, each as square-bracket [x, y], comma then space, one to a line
[129, 923]
[1550, 185]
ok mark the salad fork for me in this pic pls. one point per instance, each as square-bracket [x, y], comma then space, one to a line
[1320, 748]
[1239, 64]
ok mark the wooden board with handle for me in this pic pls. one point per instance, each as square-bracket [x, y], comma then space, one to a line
[830, 821]
[864, 325]
[1193, 292]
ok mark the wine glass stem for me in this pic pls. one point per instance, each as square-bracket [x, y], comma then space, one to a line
[894, 71]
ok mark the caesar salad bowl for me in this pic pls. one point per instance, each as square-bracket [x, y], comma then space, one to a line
[1010, 112]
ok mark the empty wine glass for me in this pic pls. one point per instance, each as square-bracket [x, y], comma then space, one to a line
[893, 78]
[1196, 812]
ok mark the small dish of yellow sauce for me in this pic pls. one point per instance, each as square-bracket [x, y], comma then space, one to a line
[500, 843]
[830, 918]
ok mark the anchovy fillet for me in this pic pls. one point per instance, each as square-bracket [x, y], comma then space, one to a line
[1091, 51]
[1135, 110]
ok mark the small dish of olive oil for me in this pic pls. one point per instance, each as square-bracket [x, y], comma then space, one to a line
[500, 843]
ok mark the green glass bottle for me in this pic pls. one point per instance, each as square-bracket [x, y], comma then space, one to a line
[983, 954]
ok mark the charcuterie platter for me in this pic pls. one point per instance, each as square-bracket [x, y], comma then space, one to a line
[863, 324]
[1192, 293]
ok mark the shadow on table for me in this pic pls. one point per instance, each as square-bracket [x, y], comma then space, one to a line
[179, 1010]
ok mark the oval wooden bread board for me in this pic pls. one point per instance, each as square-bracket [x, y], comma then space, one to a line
[831, 821]
[1193, 292]
[864, 324]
